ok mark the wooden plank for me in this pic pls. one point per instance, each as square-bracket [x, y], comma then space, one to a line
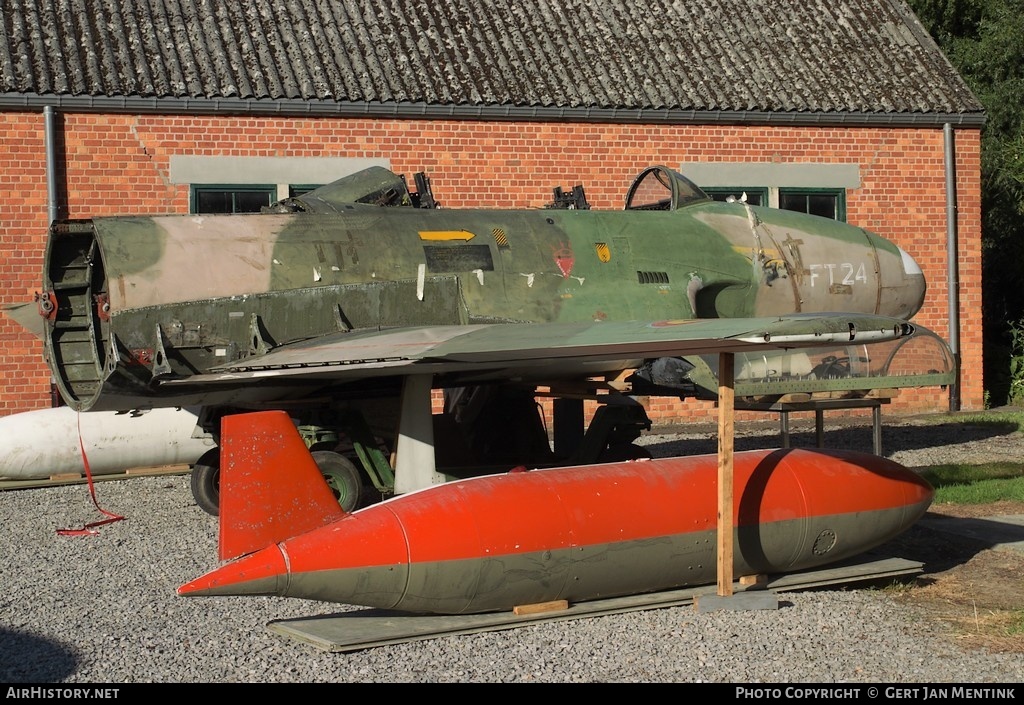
[75, 479]
[540, 607]
[364, 628]
[156, 470]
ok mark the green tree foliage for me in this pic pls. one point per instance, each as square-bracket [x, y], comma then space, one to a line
[984, 40]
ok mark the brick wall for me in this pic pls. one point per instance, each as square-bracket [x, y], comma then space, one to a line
[113, 164]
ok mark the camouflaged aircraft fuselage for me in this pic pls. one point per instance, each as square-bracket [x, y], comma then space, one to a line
[134, 299]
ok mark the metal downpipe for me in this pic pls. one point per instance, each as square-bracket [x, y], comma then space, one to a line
[49, 123]
[953, 267]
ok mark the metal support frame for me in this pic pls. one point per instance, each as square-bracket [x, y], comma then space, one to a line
[819, 407]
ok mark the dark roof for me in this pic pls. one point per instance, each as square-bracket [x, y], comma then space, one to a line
[514, 58]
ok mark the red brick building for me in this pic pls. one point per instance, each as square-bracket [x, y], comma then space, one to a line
[145, 107]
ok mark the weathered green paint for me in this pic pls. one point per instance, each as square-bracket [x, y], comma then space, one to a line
[184, 294]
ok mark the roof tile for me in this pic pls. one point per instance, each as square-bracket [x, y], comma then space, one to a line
[728, 55]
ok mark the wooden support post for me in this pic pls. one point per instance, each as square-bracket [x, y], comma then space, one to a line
[876, 429]
[725, 599]
[726, 418]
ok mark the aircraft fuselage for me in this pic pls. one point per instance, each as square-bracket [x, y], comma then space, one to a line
[134, 299]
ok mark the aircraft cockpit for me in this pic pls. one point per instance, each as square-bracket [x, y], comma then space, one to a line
[659, 188]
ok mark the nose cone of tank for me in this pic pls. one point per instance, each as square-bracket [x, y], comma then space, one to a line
[918, 497]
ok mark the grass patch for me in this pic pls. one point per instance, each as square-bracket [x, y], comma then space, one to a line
[1010, 420]
[976, 484]
[1015, 623]
[979, 484]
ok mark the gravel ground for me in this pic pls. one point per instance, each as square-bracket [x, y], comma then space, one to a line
[103, 608]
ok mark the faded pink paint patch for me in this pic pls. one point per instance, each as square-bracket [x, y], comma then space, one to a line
[565, 259]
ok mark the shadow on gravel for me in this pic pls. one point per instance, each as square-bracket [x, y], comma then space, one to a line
[938, 551]
[915, 437]
[944, 542]
[25, 658]
[843, 434]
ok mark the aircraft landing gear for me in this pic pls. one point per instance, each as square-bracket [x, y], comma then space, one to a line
[206, 481]
[341, 474]
[342, 477]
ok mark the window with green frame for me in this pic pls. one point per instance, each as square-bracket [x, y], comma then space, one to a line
[828, 203]
[754, 195]
[300, 189]
[213, 199]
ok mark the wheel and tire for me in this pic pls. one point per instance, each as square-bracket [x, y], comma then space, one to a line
[341, 475]
[206, 482]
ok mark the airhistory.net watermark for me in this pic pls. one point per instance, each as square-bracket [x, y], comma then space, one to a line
[38, 692]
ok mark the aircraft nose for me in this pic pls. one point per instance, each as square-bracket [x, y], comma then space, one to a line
[901, 283]
[910, 265]
[916, 286]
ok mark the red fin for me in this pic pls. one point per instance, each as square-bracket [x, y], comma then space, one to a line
[270, 487]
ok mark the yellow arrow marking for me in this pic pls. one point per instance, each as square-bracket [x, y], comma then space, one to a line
[438, 235]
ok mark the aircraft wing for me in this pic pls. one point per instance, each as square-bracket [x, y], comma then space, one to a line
[26, 315]
[533, 353]
[499, 351]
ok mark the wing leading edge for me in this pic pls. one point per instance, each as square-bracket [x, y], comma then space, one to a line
[540, 350]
